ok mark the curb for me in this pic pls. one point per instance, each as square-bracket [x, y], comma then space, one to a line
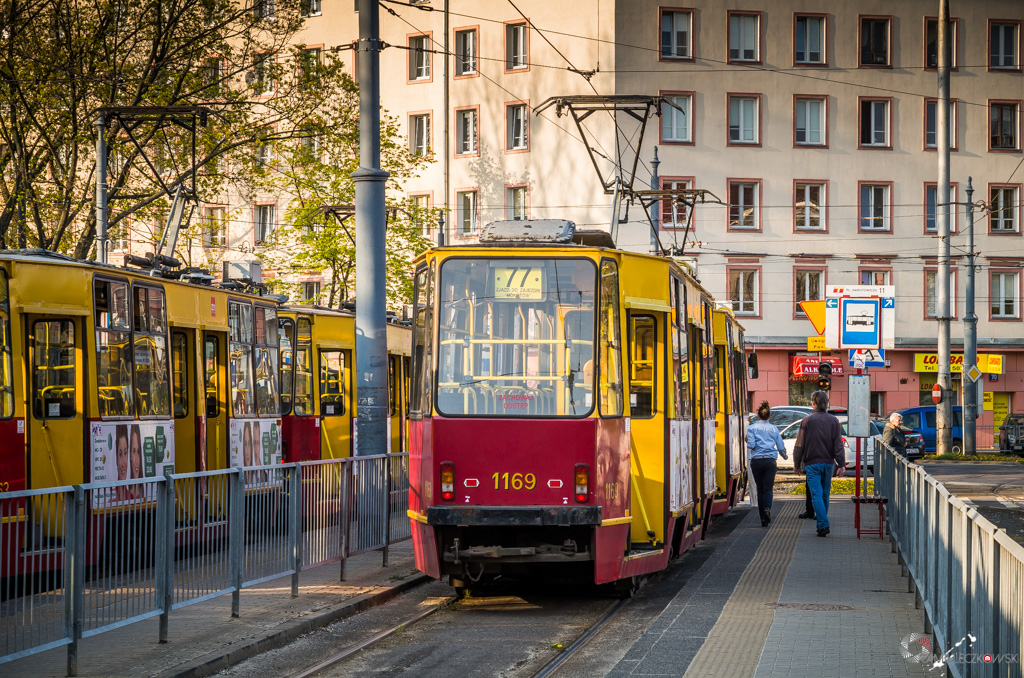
[980, 488]
[212, 664]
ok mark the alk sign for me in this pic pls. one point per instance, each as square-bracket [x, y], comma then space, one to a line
[807, 366]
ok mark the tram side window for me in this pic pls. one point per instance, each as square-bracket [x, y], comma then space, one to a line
[113, 355]
[709, 362]
[240, 361]
[53, 373]
[266, 370]
[642, 366]
[420, 342]
[152, 382]
[332, 383]
[179, 361]
[610, 380]
[392, 385]
[681, 347]
[286, 340]
[6, 351]
[212, 379]
[303, 398]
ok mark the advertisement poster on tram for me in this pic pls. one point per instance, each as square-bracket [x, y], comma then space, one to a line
[128, 450]
[256, 442]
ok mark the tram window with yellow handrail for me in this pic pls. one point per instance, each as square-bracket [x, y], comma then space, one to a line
[6, 351]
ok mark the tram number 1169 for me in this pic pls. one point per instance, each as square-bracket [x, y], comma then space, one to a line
[514, 481]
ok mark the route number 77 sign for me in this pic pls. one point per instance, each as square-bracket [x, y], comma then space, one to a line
[860, 316]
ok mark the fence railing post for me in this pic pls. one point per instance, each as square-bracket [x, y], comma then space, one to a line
[295, 523]
[347, 497]
[75, 512]
[236, 538]
[165, 551]
[388, 479]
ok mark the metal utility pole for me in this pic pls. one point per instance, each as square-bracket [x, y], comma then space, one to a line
[101, 188]
[970, 337]
[944, 411]
[655, 207]
[447, 127]
[371, 219]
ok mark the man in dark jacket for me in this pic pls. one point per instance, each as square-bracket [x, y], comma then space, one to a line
[818, 450]
[893, 435]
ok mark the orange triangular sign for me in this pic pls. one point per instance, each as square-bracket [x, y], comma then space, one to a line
[815, 311]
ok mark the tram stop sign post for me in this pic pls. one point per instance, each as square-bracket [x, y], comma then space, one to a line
[860, 317]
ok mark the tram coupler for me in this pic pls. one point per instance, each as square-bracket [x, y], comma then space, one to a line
[455, 550]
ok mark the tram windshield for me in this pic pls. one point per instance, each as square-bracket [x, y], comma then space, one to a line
[516, 337]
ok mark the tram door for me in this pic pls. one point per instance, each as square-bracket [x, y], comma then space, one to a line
[336, 403]
[215, 385]
[186, 443]
[647, 426]
[395, 404]
[57, 429]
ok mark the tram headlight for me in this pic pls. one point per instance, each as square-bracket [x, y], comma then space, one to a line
[582, 483]
[447, 481]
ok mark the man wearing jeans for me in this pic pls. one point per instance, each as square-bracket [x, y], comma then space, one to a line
[818, 450]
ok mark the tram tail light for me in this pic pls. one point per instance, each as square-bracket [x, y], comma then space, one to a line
[447, 481]
[582, 483]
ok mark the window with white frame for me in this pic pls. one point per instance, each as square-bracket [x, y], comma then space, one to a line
[931, 117]
[810, 121]
[120, 236]
[264, 150]
[875, 276]
[675, 119]
[516, 127]
[874, 42]
[516, 57]
[1003, 205]
[214, 226]
[1003, 45]
[263, 9]
[515, 201]
[674, 212]
[419, 134]
[743, 120]
[809, 40]
[743, 204]
[466, 212]
[213, 74]
[465, 52]
[931, 308]
[263, 75]
[1003, 125]
[676, 27]
[874, 122]
[931, 43]
[419, 58]
[311, 292]
[931, 200]
[309, 8]
[421, 216]
[465, 131]
[744, 37]
[309, 68]
[309, 141]
[809, 286]
[264, 222]
[874, 207]
[743, 292]
[809, 206]
[1004, 291]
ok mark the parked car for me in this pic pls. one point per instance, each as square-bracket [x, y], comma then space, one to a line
[784, 415]
[1011, 434]
[922, 419]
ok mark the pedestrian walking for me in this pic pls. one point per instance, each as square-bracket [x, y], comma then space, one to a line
[764, 445]
[817, 453]
[893, 436]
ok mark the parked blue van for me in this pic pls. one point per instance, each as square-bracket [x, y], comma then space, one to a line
[922, 419]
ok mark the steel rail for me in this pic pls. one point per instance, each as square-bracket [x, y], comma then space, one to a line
[551, 666]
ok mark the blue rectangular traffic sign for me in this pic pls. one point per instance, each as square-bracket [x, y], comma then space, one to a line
[872, 357]
[859, 323]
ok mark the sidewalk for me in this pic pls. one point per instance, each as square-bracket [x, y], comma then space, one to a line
[205, 639]
[802, 606]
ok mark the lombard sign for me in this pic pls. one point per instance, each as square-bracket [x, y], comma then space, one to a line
[929, 362]
[807, 366]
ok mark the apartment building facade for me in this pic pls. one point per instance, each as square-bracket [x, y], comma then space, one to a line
[812, 126]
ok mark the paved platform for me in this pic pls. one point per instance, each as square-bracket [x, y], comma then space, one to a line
[783, 602]
[205, 639]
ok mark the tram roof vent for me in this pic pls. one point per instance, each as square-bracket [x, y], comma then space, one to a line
[528, 230]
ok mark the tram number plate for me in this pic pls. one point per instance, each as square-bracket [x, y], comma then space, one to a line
[514, 481]
[518, 282]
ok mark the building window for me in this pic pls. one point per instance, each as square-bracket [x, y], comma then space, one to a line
[515, 203]
[263, 9]
[810, 121]
[516, 127]
[931, 123]
[1005, 294]
[931, 200]
[676, 123]
[743, 291]
[875, 276]
[120, 236]
[466, 212]
[874, 122]
[743, 119]
[214, 227]
[309, 68]
[931, 42]
[676, 30]
[744, 37]
[465, 131]
[744, 207]
[419, 134]
[1003, 44]
[264, 149]
[264, 222]
[931, 308]
[874, 207]
[309, 8]
[809, 40]
[465, 52]
[674, 212]
[809, 206]
[421, 216]
[874, 42]
[1003, 125]
[1004, 208]
[263, 75]
[516, 46]
[419, 58]
[213, 73]
[311, 292]
[810, 286]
